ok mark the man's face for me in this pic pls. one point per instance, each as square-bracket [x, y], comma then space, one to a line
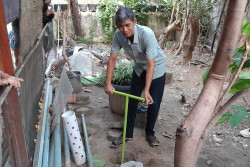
[127, 28]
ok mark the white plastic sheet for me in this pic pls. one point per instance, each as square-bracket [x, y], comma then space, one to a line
[82, 61]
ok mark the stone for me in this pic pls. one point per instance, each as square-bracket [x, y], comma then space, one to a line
[114, 135]
[209, 162]
[169, 76]
[245, 145]
[219, 132]
[234, 144]
[116, 125]
[217, 139]
[217, 144]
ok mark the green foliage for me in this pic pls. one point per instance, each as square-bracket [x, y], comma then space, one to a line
[98, 160]
[204, 75]
[122, 73]
[89, 40]
[225, 117]
[239, 85]
[245, 75]
[109, 7]
[243, 81]
[236, 118]
[107, 18]
[168, 43]
[246, 29]
[204, 10]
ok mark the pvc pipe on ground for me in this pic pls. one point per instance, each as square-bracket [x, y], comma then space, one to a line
[46, 142]
[88, 152]
[58, 154]
[52, 150]
[66, 147]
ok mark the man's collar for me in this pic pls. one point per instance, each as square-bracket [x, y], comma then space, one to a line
[136, 35]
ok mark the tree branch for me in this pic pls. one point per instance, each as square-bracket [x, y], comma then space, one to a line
[216, 118]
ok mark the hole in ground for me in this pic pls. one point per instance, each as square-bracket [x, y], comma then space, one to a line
[116, 159]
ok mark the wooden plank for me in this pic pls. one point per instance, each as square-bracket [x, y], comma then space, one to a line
[5, 55]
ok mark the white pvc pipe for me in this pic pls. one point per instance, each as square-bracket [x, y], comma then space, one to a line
[75, 139]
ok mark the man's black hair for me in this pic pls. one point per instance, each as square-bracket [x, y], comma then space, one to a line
[124, 13]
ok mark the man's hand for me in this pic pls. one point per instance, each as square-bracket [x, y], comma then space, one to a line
[109, 89]
[13, 81]
[148, 98]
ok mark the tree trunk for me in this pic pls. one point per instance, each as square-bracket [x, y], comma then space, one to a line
[64, 42]
[189, 133]
[76, 18]
[185, 30]
[163, 37]
[189, 46]
[219, 22]
[172, 15]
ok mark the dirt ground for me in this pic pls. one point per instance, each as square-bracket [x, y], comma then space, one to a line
[224, 148]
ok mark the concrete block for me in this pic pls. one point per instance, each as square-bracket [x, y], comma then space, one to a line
[116, 125]
[114, 135]
[169, 76]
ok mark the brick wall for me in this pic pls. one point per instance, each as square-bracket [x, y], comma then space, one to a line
[30, 24]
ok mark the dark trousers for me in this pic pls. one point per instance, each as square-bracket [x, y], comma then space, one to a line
[156, 92]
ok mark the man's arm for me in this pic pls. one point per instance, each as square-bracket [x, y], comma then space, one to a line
[110, 69]
[149, 78]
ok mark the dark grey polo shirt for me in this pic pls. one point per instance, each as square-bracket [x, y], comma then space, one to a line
[144, 46]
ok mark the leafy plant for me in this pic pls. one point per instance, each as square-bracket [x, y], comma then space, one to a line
[242, 83]
[88, 40]
[122, 73]
[168, 43]
[107, 17]
[240, 114]
[97, 161]
[204, 75]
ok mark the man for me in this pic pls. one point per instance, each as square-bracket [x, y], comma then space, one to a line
[140, 44]
[6, 79]
[48, 12]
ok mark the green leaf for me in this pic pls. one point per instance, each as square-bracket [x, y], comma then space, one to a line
[97, 160]
[204, 75]
[237, 118]
[225, 117]
[239, 53]
[239, 108]
[245, 75]
[241, 84]
[246, 64]
[246, 28]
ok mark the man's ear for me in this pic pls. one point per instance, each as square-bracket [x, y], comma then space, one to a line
[135, 21]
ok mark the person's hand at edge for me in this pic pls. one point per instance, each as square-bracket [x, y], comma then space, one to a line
[109, 89]
[148, 98]
[13, 81]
